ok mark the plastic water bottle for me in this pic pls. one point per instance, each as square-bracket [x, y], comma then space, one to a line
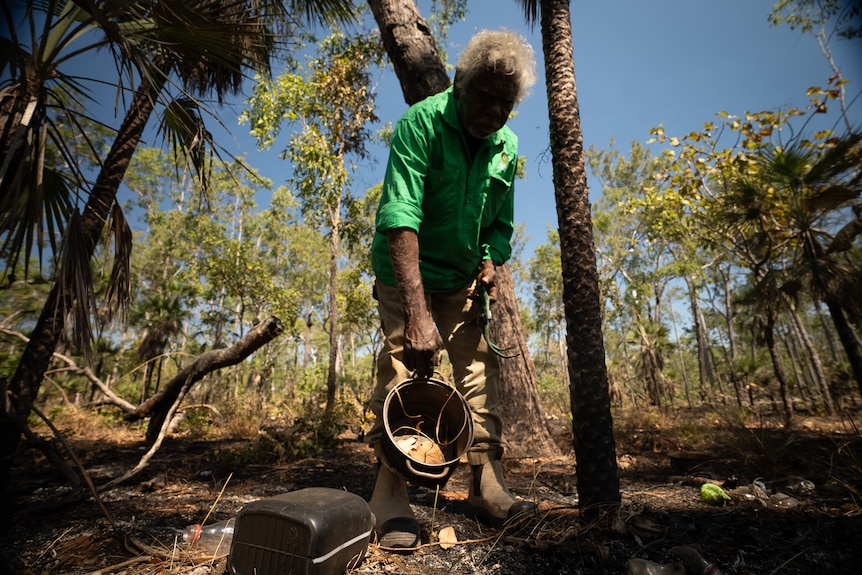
[637, 566]
[694, 562]
[214, 539]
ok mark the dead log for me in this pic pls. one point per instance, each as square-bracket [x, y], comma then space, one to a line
[157, 407]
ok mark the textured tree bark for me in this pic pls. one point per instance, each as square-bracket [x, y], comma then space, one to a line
[411, 48]
[595, 450]
[525, 429]
[158, 405]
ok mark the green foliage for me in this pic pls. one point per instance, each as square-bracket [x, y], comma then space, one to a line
[443, 14]
[311, 434]
[809, 15]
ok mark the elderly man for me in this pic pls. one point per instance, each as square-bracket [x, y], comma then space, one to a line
[443, 225]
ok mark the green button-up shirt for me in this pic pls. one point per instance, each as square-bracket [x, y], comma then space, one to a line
[462, 211]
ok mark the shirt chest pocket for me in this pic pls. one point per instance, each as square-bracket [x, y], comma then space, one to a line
[495, 193]
[444, 192]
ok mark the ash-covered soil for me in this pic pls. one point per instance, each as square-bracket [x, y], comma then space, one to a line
[818, 531]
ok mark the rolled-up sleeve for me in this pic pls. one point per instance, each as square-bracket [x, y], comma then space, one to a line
[404, 182]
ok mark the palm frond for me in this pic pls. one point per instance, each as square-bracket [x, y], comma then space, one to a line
[35, 216]
[182, 125]
[118, 294]
[75, 284]
[324, 12]
[532, 10]
[842, 158]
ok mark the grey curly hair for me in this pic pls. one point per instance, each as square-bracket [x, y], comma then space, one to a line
[502, 51]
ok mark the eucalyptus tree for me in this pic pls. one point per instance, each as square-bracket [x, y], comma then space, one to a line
[598, 481]
[331, 101]
[824, 20]
[637, 258]
[199, 48]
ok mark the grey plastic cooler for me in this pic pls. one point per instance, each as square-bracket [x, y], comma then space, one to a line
[314, 531]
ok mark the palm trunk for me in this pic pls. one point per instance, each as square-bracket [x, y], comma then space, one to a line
[847, 338]
[25, 383]
[598, 482]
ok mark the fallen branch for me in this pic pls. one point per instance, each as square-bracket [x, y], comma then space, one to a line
[123, 565]
[77, 463]
[154, 447]
[206, 363]
[162, 406]
[112, 397]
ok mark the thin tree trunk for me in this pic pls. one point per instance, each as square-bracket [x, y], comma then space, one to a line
[700, 338]
[778, 369]
[682, 371]
[729, 315]
[814, 364]
[802, 382]
[597, 478]
[332, 372]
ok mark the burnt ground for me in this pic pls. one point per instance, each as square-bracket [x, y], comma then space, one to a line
[189, 478]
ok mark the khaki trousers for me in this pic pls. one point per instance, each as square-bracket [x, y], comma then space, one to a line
[475, 368]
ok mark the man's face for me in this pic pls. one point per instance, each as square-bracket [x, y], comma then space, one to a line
[484, 105]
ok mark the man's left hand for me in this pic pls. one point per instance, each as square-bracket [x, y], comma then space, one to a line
[487, 278]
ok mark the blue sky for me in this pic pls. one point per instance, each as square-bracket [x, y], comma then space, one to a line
[638, 64]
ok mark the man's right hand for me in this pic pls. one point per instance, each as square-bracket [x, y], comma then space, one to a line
[421, 340]
[422, 347]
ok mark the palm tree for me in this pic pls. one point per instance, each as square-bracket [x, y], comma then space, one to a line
[201, 47]
[161, 316]
[788, 208]
[817, 188]
[598, 482]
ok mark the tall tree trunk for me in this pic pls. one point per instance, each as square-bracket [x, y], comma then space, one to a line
[525, 429]
[25, 383]
[700, 338]
[411, 48]
[332, 372]
[682, 371]
[595, 450]
[417, 64]
[729, 315]
[814, 364]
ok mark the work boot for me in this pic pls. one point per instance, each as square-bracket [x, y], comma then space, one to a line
[489, 497]
[395, 523]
